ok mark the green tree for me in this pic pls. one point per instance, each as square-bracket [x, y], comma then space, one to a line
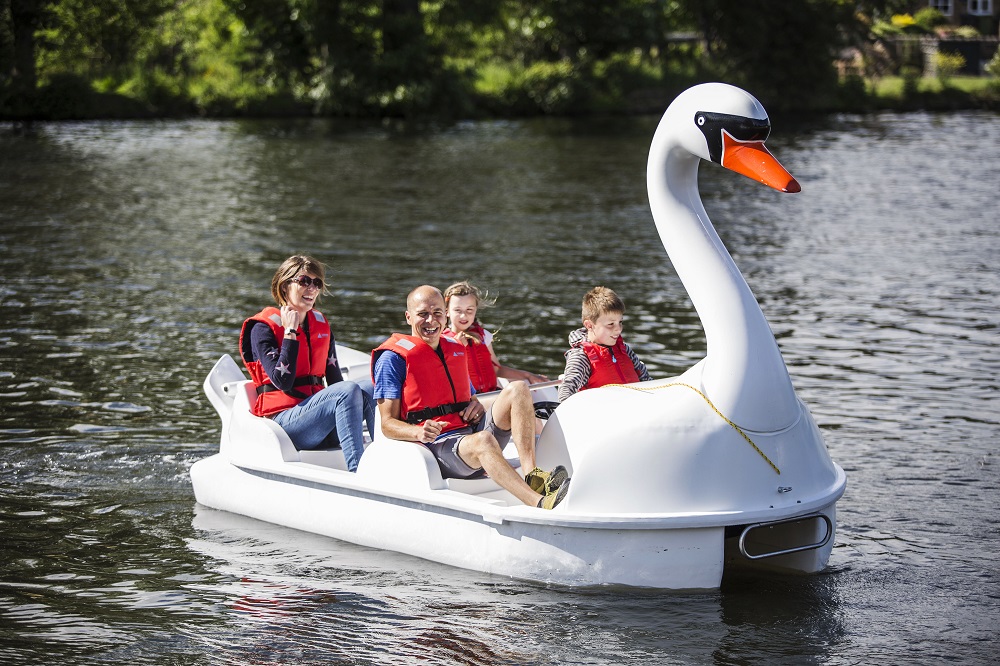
[198, 56]
[560, 57]
[282, 30]
[347, 57]
[412, 57]
[95, 38]
[18, 72]
[782, 52]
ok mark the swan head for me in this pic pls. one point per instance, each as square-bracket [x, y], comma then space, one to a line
[724, 124]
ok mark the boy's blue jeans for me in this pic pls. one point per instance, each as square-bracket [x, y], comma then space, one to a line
[332, 416]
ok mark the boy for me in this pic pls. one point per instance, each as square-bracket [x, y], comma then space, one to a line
[598, 355]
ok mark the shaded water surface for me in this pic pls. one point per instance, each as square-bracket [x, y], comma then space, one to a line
[131, 252]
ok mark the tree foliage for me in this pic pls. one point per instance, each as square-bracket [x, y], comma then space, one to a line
[417, 57]
[783, 51]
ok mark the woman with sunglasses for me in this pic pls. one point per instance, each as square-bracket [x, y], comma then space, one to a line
[291, 355]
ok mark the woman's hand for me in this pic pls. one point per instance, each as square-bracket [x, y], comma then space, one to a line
[289, 318]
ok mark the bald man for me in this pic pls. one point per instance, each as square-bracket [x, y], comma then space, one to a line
[424, 394]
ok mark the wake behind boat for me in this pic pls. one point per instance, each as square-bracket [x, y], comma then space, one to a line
[677, 480]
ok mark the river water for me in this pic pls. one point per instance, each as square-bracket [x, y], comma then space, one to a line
[130, 252]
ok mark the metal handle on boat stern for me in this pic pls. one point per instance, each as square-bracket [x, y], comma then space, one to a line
[797, 549]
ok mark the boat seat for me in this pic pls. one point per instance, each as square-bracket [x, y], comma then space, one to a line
[267, 429]
[401, 465]
[411, 466]
[331, 457]
[479, 486]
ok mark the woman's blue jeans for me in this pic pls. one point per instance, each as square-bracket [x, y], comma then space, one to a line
[332, 416]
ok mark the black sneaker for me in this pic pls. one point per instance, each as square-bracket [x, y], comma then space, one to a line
[557, 477]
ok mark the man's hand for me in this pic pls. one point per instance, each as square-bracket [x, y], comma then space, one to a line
[473, 413]
[430, 430]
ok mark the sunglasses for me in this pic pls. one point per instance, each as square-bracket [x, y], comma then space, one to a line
[305, 282]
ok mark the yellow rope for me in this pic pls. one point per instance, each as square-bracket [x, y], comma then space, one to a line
[714, 408]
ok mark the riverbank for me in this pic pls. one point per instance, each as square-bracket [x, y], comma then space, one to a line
[69, 98]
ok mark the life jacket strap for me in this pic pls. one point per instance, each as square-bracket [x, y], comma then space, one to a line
[430, 412]
[308, 380]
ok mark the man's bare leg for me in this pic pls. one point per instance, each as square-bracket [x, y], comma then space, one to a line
[482, 450]
[512, 410]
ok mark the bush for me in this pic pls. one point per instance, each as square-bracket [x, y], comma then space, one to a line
[928, 18]
[993, 66]
[555, 87]
[948, 65]
[542, 87]
[967, 32]
[67, 96]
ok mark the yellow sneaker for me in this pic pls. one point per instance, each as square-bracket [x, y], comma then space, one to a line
[550, 500]
[543, 482]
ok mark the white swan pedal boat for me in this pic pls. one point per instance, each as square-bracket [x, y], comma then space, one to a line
[674, 481]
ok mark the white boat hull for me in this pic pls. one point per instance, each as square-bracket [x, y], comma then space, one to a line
[561, 554]
[398, 501]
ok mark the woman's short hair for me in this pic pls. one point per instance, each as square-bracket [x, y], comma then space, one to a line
[290, 268]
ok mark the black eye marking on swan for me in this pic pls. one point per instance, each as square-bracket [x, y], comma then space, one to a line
[740, 128]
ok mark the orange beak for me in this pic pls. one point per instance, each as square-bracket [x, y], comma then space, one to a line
[753, 160]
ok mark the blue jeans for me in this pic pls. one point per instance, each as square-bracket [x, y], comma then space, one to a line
[331, 417]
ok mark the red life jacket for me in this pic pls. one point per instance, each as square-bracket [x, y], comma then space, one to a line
[310, 362]
[432, 389]
[609, 365]
[481, 369]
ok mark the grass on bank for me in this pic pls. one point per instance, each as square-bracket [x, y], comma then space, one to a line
[893, 87]
[905, 93]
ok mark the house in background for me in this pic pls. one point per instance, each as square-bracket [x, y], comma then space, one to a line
[977, 50]
[899, 50]
[983, 15]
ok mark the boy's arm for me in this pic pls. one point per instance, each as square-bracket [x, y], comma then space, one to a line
[640, 367]
[576, 375]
